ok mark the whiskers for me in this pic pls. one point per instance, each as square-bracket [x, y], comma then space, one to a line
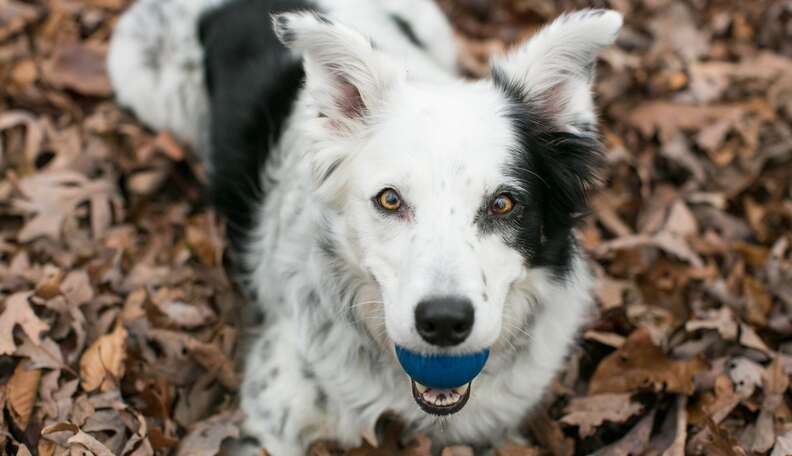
[513, 332]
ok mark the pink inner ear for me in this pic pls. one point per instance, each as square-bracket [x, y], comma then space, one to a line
[350, 102]
[553, 102]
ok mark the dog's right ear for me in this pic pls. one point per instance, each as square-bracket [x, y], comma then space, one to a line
[346, 76]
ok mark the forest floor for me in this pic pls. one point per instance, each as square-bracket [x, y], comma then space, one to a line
[119, 324]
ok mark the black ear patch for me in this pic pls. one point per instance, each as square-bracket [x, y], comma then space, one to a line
[556, 170]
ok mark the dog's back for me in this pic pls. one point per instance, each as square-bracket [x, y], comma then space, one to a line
[179, 63]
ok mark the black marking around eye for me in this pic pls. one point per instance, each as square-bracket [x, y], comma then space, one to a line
[406, 29]
[554, 171]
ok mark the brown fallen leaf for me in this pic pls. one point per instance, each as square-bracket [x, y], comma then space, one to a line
[53, 197]
[90, 443]
[783, 445]
[640, 365]
[17, 312]
[14, 16]
[102, 364]
[677, 447]
[46, 354]
[634, 442]
[668, 242]
[21, 392]
[34, 132]
[720, 443]
[549, 434]
[749, 338]
[80, 68]
[605, 338]
[177, 309]
[758, 302]
[77, 288]
[588, 413]
[510, 450]
[212, 358]
[775, 385]
[457, 451]
[708, 80]
[206, 437]
[721, 320]
[668, 117]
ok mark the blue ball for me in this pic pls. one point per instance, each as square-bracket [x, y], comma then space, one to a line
[442, 371]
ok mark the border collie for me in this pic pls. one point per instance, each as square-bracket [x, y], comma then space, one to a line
[408, 234]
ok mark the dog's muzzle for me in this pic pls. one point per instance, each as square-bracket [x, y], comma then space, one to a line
[441, 384]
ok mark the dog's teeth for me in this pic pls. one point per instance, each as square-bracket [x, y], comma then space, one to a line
[421, 389]
[461, 390]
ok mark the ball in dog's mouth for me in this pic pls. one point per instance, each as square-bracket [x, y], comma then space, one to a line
[441, 383]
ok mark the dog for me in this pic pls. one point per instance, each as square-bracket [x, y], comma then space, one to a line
[395, 223]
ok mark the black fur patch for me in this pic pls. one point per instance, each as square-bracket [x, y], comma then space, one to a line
[555, 171]
[253, 83]
[406, 29]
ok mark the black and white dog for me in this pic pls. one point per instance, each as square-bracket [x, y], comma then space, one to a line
[380, 208]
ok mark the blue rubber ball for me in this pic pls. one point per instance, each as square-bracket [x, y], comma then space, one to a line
[442, 371]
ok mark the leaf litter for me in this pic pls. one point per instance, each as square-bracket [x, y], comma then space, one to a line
[120, 330]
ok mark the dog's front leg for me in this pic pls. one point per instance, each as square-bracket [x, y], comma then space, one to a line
[284, 407]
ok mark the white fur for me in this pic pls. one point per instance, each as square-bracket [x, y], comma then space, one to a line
[323, 367]
[172, 96]
[554, 65]
[156, 66]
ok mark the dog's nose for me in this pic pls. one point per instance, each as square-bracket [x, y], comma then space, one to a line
[445, 321]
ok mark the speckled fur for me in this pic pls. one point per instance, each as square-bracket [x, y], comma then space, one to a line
[338, 283]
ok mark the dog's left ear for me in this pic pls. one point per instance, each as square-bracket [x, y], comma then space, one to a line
[554, 70]
[345, 75]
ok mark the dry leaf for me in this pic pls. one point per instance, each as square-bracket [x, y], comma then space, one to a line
[53, 197]
[21, 393]
[776, 384]
[17, 312]
[677, 447]
[90, 443]
[206, 437]
[588, 413]
[634, 442]
[14, 16]
[516, 451]
[80, 68]
[640, 364]
[783, 445]
[47, 354]
[457, 451]
[721, 320]
[102, 365]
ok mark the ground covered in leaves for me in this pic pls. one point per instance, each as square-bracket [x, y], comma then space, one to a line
[119, 325]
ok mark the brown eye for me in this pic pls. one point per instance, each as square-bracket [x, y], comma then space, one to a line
[389, 200]
[502, 205]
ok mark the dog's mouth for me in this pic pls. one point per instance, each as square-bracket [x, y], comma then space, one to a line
[440, 402]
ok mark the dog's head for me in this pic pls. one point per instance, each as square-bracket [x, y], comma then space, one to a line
[445, 195]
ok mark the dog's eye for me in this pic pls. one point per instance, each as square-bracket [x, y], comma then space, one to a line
[389, 200]
[502, 205]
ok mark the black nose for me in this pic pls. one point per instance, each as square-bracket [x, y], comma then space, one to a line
[445, 321]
